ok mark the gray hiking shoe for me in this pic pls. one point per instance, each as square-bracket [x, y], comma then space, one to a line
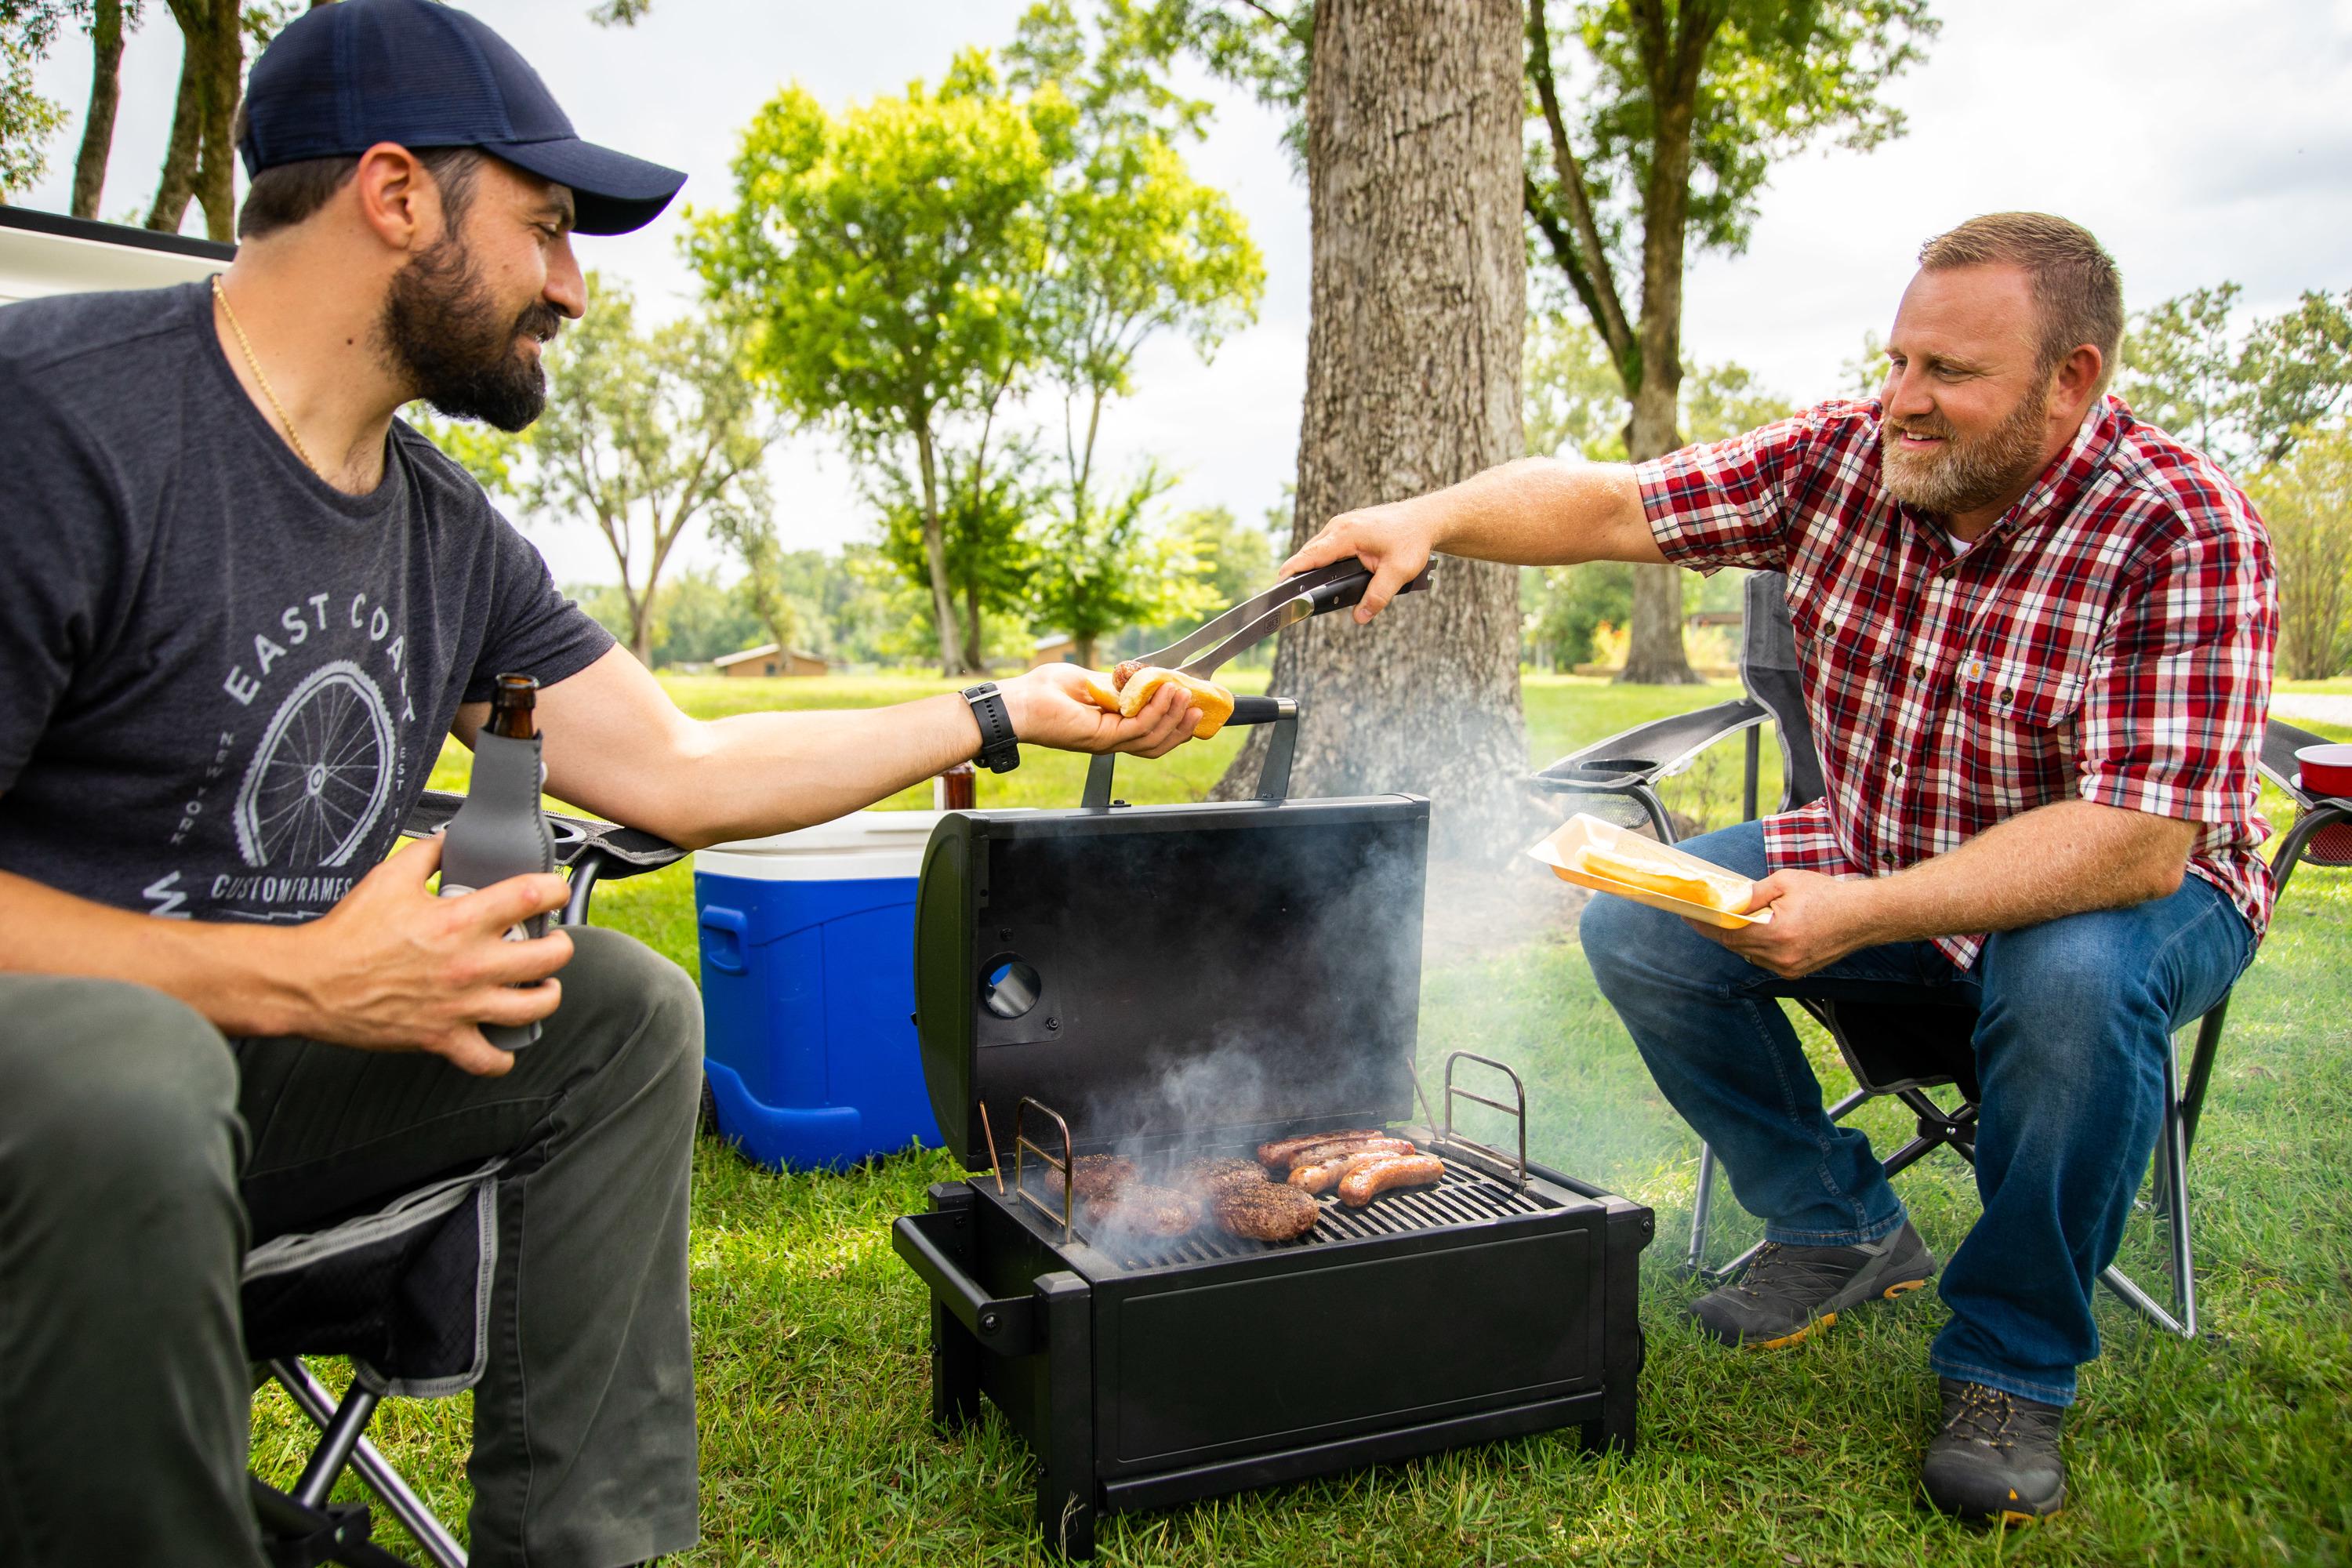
[1996, 1456]
[1788, 1292]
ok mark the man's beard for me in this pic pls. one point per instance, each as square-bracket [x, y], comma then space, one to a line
[1972, 471]
[446, 336]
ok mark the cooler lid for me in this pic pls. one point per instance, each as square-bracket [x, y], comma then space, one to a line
[862, 846]
[1156, 971]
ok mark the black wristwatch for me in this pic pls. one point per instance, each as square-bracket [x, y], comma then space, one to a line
[999, 752]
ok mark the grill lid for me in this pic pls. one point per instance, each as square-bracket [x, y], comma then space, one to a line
[1156, 971]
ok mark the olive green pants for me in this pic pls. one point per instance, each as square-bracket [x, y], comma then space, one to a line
[141, 1154]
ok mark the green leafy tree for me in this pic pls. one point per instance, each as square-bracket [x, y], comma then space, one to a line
[764, 590]
[27, 120]
[986, 498]
[1573, 404]
[645, 435]
[2244, 399]
[2179, 366]
[2296, 370]
[1684, 106]
[885, 260]
[1690, 103]
[1101, 570]
[2306, 501]
[1136, 246]
[1720, 401]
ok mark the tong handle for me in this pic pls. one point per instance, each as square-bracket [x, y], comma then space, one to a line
[1349, 592]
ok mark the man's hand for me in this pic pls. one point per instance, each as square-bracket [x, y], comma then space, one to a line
[393, 968]
[1816, 920]
[1049, 707]
[1393, 540]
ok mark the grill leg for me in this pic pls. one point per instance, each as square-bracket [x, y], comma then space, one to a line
[955, 1353]
[955, 1372]
[1065, 1477]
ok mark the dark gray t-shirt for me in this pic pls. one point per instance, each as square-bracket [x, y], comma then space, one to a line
[223, 682]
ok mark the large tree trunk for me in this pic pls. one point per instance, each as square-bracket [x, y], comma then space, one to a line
[223, 84]
[105, 96]
[935, 551]
[178, 184]
[1655, 651]
[1412, 383]
[200, 162]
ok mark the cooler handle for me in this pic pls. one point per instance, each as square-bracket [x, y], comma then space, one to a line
[726, 956]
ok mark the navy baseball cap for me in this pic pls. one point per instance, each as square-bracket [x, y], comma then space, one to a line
[345, 77]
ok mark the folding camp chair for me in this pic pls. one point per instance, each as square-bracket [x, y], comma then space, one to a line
[1907, 1051]
[1631, 764]
[403, 1290]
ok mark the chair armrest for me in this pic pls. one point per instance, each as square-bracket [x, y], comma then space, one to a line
[1648, 752]
[618, 851]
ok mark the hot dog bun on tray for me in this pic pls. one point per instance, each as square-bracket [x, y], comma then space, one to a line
[1599, 855]
[1642, 864]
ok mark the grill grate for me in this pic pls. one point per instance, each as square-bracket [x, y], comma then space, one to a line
[1465, 1197]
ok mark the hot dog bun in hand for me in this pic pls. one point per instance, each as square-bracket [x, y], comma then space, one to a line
[1126, 697]
[1641, 864]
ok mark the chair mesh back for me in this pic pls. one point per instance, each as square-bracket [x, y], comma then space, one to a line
[2331, 845]
[1768, 668]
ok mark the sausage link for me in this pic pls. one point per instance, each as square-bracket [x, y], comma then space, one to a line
[1365, 1181]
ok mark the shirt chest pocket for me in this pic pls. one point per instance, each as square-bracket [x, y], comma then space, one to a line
[2017, 733]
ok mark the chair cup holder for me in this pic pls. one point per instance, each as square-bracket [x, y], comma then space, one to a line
[1600, 773]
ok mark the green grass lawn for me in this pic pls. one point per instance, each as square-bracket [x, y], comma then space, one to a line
[812, 1377]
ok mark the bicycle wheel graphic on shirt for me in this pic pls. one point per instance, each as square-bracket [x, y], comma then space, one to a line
[319, 779]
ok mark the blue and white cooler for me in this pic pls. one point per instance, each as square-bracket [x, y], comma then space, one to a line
[808, 943]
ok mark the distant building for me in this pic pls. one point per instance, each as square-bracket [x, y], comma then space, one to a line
[1059, 648]
[767, 659]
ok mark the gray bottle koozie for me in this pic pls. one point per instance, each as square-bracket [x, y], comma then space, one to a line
[500, 833]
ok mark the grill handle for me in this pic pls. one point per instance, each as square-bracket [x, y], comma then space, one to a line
[1006, 1325]
[1273, 779]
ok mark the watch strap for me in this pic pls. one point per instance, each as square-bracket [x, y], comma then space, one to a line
[1000, 751]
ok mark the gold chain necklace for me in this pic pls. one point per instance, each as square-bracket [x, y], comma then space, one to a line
[253, 365]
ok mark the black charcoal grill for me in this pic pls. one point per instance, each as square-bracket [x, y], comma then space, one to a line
[1167, 981]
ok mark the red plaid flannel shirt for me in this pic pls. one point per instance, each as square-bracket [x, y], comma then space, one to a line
[2109, 638]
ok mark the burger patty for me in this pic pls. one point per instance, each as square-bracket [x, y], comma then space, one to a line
[1143, 1210]
[1264, 1211]
[1097, 1177]
[1209, 1178]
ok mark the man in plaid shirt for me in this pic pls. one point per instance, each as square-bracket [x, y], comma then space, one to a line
[2035, 638]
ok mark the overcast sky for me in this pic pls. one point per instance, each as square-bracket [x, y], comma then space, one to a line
[2199, 141]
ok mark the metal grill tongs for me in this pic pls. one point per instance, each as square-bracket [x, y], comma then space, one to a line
[1337, 586]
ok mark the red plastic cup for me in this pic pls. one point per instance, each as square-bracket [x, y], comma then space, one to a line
[2326, 770]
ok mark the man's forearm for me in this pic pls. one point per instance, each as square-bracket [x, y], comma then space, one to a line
[751, 775]
[241, 977]
[2059, 860]
[1542, 511]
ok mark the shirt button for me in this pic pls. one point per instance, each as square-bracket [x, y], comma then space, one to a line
[2007, 692]
[1918, 672]
[1895, 771]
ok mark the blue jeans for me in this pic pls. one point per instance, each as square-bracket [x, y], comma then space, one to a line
[2073, 1019]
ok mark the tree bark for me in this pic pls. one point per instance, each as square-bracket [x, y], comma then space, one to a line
[1673, 52]
[1414, 117]
[935, 548]
[105, 96]
[177, 187]
[223, 84]
[200, 162]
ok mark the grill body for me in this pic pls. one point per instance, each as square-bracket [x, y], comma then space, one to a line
[1145, 1374]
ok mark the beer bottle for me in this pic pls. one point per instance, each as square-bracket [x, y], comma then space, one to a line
[499, 831]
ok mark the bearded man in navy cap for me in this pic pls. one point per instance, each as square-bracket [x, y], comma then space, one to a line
[240, 606]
